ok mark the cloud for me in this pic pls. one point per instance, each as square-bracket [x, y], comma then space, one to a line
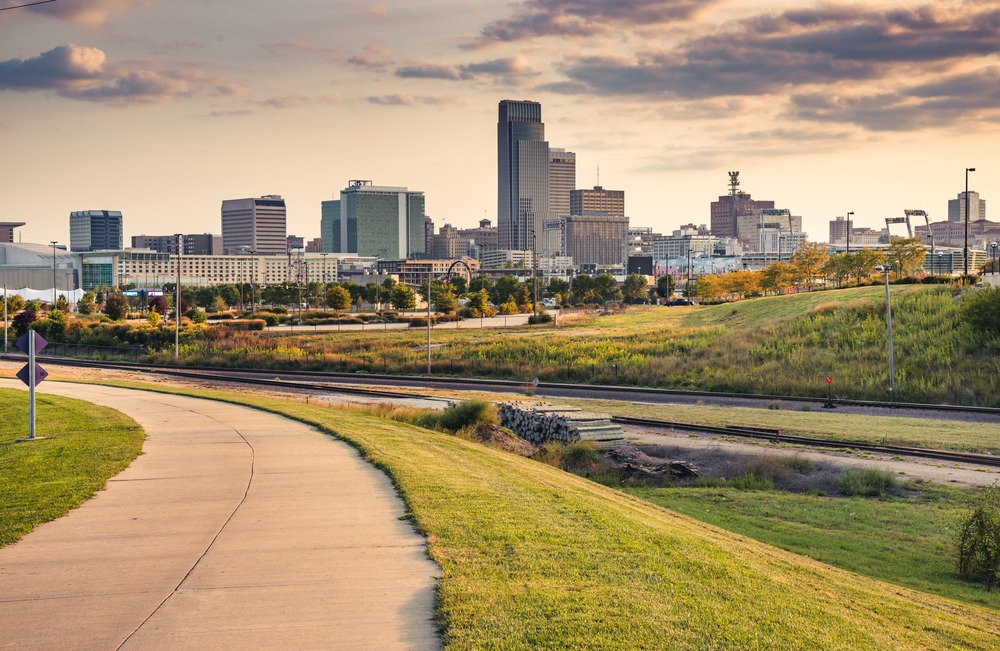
[944, 101]
[81, 72]
[90, 13]
[809, 47]
[379, 11]
[510, 71]
[578, 18]
[304, 46]
[402, 99]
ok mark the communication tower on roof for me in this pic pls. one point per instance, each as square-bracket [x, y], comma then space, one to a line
[734, 183]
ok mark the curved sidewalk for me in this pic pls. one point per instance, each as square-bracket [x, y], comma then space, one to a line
[235, 529]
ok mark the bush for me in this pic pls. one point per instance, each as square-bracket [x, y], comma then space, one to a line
[196, 315]
[979, 540]
[866, 483]
[541, 317]
[468, 413]
[981, 309]
[244, 324]
[575, 457]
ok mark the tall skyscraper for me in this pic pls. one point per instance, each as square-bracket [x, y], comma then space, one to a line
[381, 221]
[956, 207]
[598, 200]
[95, 230]
[562, 180]
[725, 211]
[522, 174]
[254, 225]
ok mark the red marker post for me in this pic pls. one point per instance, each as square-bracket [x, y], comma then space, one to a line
[829, 393]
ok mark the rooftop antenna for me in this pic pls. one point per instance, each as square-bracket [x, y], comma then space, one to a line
[734, 183]
[598, 176]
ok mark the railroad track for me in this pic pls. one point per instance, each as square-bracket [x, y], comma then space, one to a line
[309, 381]
[776, 436]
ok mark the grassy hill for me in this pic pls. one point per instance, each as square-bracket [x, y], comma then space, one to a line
[534, 557]
[782, 345]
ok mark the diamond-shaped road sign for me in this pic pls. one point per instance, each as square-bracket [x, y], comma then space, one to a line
[40, 343]
[40, 374]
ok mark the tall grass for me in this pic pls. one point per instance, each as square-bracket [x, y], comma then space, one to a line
[772, 345]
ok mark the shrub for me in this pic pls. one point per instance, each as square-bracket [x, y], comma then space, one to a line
[196, 315]
[575, 457]
[468, 413]
[22, 321]
[865, 483]
[979, 540]
[244, 324]
[541, 317]
[981, 309]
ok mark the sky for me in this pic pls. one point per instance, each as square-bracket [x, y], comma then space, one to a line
[162, 109]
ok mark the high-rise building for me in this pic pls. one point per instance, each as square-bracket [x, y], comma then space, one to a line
[191, 244]
[95, 230]
[522, 174]
[839, 228]
[562, 180]
[254, 225]
[381, 221]
[329, 211]
[598, 240]
[956, 208]
[598, 200]
[725, 211]
[294, 243]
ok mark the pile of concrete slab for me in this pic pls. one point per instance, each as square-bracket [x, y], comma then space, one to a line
[542, 423]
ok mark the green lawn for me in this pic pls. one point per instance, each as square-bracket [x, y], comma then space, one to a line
[84, 446]
[909, 541]
[534, 557]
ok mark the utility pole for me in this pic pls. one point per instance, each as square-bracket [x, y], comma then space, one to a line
[177, 300]
[966, 249]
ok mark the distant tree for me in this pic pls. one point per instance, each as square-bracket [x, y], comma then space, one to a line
[665, 286]
[86, 304]
[861, 264]
[523, 298]
[740, 284]
[836, 268]
[634, 289]
[606, 288]
[158, 304]
[444, 299]
[459, 285]
[807, 262]
[196, 315]
[14, 304]
[481, 282]
[906, 255]
[154, 319]
[777, 277]
[557, 286]
[218, 304]
[230, 296]
[338, 298]
[505, 286]
[509, 306]
[23, 320]
[478, 304]
[709, 288]
[116, 306]
[402, 297]
[583, 289]
[62, 303]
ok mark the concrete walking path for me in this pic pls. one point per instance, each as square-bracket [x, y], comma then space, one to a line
[235, 529]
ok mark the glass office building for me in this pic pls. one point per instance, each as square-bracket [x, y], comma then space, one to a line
[375, 221]
[523, 174]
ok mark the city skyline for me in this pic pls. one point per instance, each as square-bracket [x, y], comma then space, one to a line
[824, 108]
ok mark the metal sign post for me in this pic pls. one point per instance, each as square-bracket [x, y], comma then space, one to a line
[31, 374]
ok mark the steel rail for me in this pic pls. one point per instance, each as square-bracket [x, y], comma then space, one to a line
[520, 385]
[776, 436]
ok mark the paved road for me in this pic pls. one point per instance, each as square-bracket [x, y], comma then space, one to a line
[235, 529]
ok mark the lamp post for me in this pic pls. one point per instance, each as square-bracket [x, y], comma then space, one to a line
[430, 268]
[323, 298]
[993, 247]
[886, 268]
[849, 215]
[253, 269]
[965, 254]
[53, 243]
[177, 300]
[5, 317]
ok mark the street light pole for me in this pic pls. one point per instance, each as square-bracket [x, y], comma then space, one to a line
[53, 243]
[993, 246]
[429, 272]
[966, 249]
[177, 300]
[849, 215]
[888, 320]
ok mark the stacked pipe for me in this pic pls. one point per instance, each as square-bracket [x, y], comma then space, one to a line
[543, 423]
